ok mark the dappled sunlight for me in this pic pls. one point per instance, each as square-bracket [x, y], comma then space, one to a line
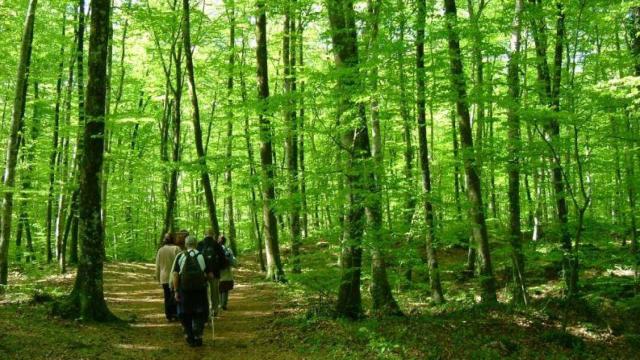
[137, 347]
[157, 300]
[146, 293]
[621, 271]
[155, 325]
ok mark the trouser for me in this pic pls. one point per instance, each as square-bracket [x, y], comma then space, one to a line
[224, 299]
[214, 296]
[170, 310]
[193, 325]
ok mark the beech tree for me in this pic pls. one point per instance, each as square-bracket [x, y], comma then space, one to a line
[15, 138]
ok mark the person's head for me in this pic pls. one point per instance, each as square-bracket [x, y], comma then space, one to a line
[222, 240]
[168, 239]
[190, 242]
[181, 237]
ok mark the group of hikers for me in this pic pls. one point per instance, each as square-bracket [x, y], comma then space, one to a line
[196, 278]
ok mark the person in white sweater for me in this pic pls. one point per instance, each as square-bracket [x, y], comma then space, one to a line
[164, 260]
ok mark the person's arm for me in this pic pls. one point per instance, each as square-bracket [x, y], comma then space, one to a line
[176, 277]
[157, 276]
[234, 260]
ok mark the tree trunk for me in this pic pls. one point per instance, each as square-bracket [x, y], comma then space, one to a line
[88, 294]
[634, 13]
[231, 228]
[275, 271]
[513, 166]
[434, 273]
[291, 121]
[474, 187]
[197, 130]
[252, 168]
[362, 187]
[301, 124]
[550, 96]
[13, 144]
[55, 146]
[383, 301]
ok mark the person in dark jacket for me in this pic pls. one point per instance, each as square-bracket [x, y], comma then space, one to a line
[226, 274]
[214, 256]
[193, 308]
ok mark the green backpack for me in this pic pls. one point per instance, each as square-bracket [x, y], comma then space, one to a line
[191, 275]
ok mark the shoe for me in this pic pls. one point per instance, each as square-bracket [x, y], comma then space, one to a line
[224, 307]
[190, 341]
[197, 342]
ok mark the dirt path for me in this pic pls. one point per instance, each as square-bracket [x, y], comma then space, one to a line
[241, 332]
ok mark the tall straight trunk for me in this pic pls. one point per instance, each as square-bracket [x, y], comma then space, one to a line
[53, 157]
[119, 91]
[63, 165]
[362, 188]
[197, 130]
[13, 143]
[80, 87]
[434, 273]
[174, 112]
[301, 134]
[28, 156]
[410, 200]
[383, 301]
[634, 15]
[479, 89]
[514, 149]
[87, 297]
[291, 121]
[275, 271]
[231, 227]
[549, 87]
[474, 187]
[252, 168]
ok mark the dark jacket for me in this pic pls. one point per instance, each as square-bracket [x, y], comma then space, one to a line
[217, 262]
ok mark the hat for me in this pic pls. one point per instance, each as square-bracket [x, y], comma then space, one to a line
[190, 241]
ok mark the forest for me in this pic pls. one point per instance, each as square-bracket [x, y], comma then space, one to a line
[400, 179]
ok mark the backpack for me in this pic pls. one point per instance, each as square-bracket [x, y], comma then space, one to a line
[229, 258]
[191, 275]
[211, 256]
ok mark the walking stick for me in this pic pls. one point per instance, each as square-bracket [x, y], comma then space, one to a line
[213, 330]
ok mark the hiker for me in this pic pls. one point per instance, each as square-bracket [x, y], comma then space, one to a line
[190, 274]
[226, 274]
[214, 256]
[164, 260]
[180, 238]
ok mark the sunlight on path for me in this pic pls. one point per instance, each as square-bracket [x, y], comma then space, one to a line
[241, 332]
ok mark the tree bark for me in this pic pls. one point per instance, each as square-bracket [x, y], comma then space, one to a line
[88, 294]
[231, 227]
[437, 295]
[291, 121]
[550, 96]
[53, 157]
[362, 189]
[252, 168]
[474, 187]
[514, 149]
[13, 143]
[275, 271]
[197, 130]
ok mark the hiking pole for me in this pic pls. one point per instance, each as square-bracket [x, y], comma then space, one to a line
[213, 330]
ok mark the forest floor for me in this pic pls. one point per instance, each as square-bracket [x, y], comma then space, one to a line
[242, 332]
[271, 321]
